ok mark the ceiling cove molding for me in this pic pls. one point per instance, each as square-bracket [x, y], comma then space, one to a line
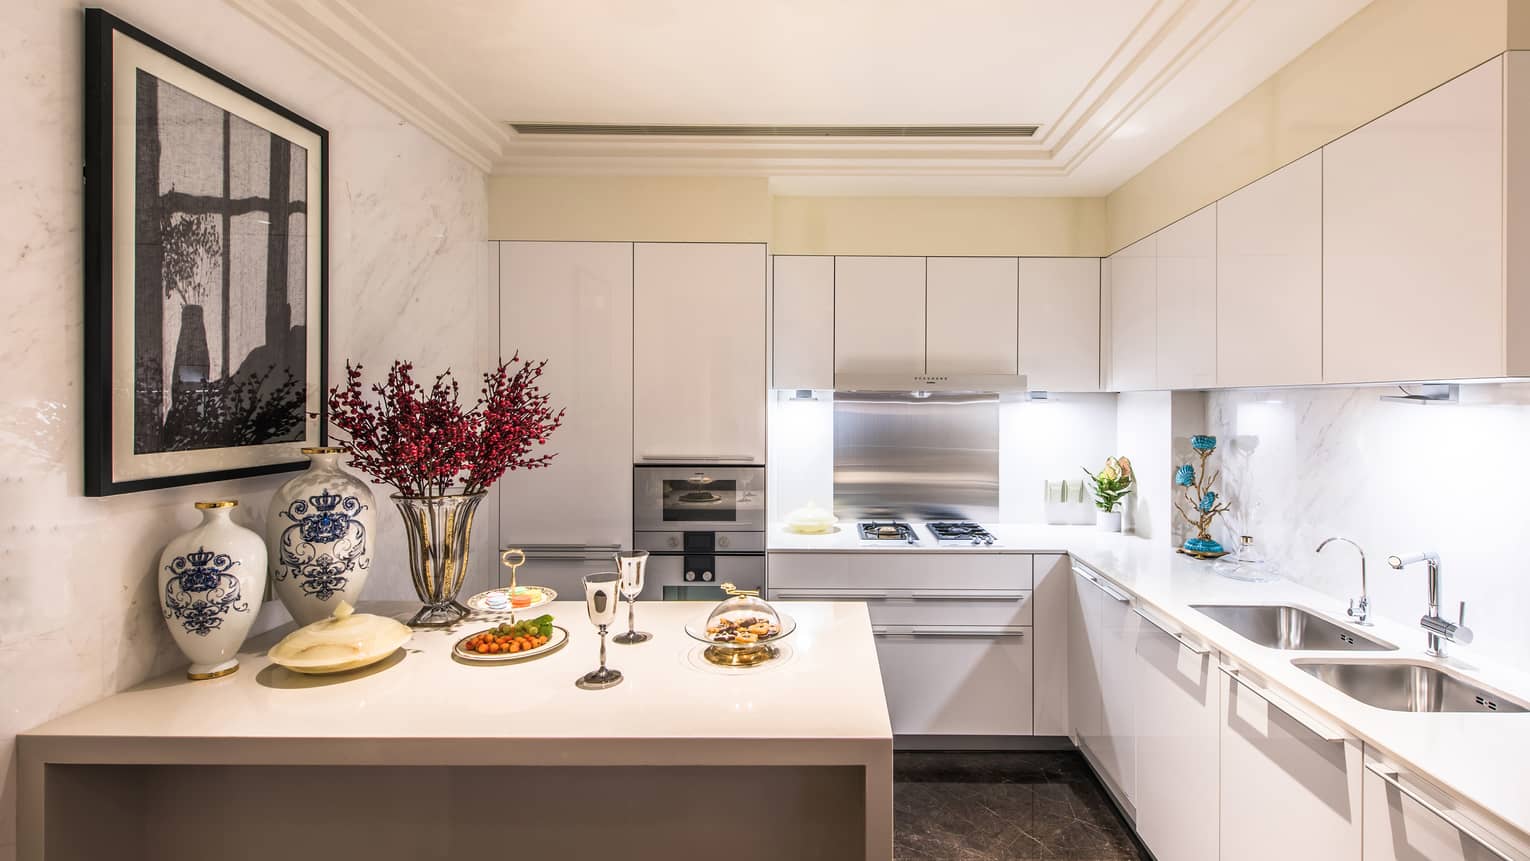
[1167, 39]
[338, 35]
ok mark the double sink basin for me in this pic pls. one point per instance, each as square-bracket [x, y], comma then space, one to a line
[1396, 685]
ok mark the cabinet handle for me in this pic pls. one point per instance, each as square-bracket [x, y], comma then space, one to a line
[1394, 779]
[829, 594]
[699, 458]
[960, 595]
[1177, 635]
[1099, 583]
[931, 631]
[567, 551]
[1317, 727]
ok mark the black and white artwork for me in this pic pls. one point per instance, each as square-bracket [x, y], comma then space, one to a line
[204, 267]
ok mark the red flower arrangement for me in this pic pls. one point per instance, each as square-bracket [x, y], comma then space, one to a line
[424, 443]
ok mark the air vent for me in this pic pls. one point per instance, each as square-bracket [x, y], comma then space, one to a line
[777, 131]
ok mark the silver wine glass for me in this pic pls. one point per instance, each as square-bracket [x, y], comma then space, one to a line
[600, 600]
[630, 563]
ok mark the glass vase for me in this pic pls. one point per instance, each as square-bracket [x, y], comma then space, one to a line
[440, 530]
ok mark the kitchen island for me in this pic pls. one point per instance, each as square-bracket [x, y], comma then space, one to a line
[424, 756]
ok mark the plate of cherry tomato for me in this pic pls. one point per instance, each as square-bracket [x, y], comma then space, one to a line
[512, 642]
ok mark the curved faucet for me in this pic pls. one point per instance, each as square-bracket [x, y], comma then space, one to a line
[1359, 608]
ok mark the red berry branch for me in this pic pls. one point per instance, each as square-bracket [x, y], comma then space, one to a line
[423, 442]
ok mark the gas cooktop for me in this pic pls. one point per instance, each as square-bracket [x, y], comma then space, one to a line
[887, 530]
[960, 532]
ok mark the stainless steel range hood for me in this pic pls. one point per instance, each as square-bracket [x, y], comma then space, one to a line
[1002, 384]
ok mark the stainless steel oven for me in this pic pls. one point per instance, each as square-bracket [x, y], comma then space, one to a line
[704, 525]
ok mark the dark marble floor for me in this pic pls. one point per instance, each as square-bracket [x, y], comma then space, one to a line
[1001, 806]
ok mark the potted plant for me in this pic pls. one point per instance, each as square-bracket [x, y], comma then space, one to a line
[1111, 485]
[442, 458]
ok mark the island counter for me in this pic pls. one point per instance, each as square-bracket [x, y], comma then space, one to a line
[425, 757]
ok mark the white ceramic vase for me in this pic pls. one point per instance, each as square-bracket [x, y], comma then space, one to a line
[1107, 521]
[320, 530]
[211, 582]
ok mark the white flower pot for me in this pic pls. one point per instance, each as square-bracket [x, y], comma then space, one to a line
[1107, 521]
[211, 582]
[320, 529]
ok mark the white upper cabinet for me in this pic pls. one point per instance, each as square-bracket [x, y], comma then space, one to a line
[1187, 302]
[803, 330]
[879, 321]
[970, 309]
[1060, 323]
[699, 376]
[1269, 279]
[1413, 223]
[1134, 316]
[571, 303]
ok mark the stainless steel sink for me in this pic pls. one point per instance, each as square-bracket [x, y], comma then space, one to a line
[1280, 626]
[1406, 686]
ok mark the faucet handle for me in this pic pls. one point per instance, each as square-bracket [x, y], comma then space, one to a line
[1360, 608]
[1461, 634]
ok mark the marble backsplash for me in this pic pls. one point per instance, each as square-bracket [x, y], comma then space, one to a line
[409, 278]
[1300, 465]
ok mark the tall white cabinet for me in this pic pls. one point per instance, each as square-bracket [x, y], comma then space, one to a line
[699, 375]
[571, 303]
[1186, 320]
[1269, 281]
[1134, 316]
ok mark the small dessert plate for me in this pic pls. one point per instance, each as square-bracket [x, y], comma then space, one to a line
[500, 600]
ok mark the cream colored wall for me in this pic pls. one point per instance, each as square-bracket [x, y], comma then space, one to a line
[1000, 226]
[625, 208]
[1388, 53]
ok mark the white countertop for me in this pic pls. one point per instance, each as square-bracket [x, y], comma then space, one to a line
[1477, 757]
[823, 702]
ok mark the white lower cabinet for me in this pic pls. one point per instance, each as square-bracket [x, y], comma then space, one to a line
[1101, 701]
[1407, 822]
[1084, 719]
[1177, 717]
[954, 681]
[1049, 603]
[1289, 788]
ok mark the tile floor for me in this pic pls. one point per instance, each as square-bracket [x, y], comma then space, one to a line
[1001, 806]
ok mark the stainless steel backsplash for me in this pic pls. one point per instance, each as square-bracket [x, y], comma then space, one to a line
[930, 458]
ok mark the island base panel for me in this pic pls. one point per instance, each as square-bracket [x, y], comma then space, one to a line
[165, 812]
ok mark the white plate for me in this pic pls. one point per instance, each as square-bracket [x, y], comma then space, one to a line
[554, 643]
[480, 603]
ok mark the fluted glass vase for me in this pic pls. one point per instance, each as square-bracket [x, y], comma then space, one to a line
[440, 530]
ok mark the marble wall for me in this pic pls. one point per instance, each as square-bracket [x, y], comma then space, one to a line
[1303, 464]
[408, 278]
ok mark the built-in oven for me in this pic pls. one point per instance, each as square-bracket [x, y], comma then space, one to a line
[703, 525]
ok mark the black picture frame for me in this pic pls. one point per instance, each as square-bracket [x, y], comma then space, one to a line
[101, 279]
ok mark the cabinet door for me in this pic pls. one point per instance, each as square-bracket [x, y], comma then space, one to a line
[803, 323]
[699, 353]
[1270, 279]
[1187, 302]
[1400, 828]
[1050, 613]
[1118, 701]
[970, 311]
[1134, 317]
[1177, 739]
[571, 303]
[1060, 323]
[1084, 645]
[1286, 792]
[957, 683]
[1413, 282]
[879, 315]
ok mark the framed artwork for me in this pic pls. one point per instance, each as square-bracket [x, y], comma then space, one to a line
[205, 270]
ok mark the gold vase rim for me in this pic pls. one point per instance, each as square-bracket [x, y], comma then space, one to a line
[323, 449]
[216, 503]
[413, 498]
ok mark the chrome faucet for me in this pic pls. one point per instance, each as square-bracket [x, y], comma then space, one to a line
[1439, 629]
[1359, 608]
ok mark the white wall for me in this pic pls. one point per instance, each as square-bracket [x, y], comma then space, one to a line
[1144, 434]
[1301, 465]
[79, 616]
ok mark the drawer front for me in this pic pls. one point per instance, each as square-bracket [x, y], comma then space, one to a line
[874, 571]
[942, 683]
[939, 607]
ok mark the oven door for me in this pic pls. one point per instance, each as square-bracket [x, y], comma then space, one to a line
[698, 498]
[683, 577]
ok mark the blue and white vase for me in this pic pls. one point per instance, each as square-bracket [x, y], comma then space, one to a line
[211, 582]
[320, 531]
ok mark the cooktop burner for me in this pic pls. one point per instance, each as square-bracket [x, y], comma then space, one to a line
[888, 530]
[960, 530]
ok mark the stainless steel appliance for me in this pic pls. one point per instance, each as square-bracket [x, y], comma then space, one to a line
[704, 526]
[893, 530]
[960, 532]
[913, 457]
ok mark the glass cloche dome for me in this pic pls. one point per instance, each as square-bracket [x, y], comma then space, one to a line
[740, 630]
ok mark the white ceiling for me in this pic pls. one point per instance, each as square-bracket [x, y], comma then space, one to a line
[1112, 83]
